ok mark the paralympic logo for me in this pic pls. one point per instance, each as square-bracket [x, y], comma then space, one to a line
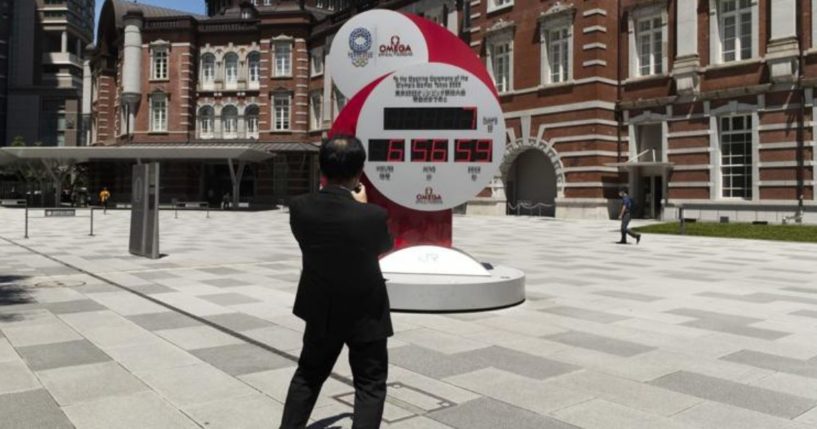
[360, 43]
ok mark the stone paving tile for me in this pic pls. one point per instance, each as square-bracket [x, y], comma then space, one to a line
[486, 413]
[154, 275]
[761, 297]
[195, 384]
[58, 355]
[47, 331]
[800, 289]
[713, 415]
[107, 329]
[32, 409]
[221, 271]
[599, 343]
[539, 397]
[628, 295]
[7, 352]
[157, 354]
[775, 363]
[226, 283]
[248, 412]
[601, 414]
[584, 314]
[127, 304]
[164, 320]
[788, 383]
[711, 315]
[239, 321]
[240, 359]
[520, 363]
[16, 377]
[629, 393]
[229, 299]
[432, 363]
[73, 306]
[135, 411]
[275, 384]
[277, 337]
[438, 341]
[805, 313]
[150, 289]
[197, 337]
[737, 394]
[84, 383]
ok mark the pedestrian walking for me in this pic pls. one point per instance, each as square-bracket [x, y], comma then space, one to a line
[627, 207]
[104, 196]
[341, 294]
[225, 201]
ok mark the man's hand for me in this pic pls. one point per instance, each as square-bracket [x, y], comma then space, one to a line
[359, 193]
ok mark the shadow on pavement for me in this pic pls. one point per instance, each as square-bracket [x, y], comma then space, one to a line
[12, 294]
[329, 421]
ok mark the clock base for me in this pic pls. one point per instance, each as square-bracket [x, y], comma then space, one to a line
[442, 291]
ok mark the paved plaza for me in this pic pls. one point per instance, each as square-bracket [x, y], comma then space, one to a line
[673, 333]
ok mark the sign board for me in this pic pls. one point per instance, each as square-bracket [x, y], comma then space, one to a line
[144, 226]
[60, 212]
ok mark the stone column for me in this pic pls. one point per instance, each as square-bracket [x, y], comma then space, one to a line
[132, 65]
[687, 62]
[783, 49]
[64, 42]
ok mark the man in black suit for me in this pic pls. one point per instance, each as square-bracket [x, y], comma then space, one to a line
[342, 294]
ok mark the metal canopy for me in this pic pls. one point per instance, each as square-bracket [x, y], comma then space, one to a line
[246, 153]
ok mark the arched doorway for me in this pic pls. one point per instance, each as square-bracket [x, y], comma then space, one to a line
[531, 184]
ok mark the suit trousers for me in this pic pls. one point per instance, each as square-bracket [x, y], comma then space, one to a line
[369, 363]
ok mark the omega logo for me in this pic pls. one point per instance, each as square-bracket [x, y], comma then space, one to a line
[395, 48]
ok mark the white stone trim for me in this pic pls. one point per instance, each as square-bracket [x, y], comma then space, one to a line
[785, 145]
[596, 45]
[786, 183]
[689, 184]
[602, 169]
[597, 11]
[692, 167]
[696, 133]
[492, 7]
[775, 127]
[585, 137]
[593, 63]
[594, 28]
[561, 108]
[689, 150]
[814, 34]
[586, 153]
[784, 164]
[591, 185]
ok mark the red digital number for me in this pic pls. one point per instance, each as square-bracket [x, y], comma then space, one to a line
[439, 151]
[420, 150]
[484, 151]
[463, 151]
[396, 151]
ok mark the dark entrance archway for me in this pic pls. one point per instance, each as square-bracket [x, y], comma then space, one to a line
[531, 184]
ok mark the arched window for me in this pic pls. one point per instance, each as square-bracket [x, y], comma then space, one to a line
[254, 63]
[229, 122]
[231, 68]
[251, 116]
[206, 116]
[208, 68]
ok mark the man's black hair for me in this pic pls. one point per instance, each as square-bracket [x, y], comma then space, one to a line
[341, 157]
[624, 190]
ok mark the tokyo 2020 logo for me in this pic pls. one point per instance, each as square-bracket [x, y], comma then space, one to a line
[360, 43]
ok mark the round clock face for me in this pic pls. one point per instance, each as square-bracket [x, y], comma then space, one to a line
[434, 136]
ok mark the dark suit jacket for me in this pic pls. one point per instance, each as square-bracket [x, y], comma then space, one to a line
[342, 293]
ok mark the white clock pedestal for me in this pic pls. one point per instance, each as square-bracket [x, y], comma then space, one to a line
[440, 279]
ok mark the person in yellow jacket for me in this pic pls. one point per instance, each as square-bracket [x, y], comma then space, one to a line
[104, 195]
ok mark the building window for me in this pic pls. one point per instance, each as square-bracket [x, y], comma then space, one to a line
[229, 122]
[650, 45]
[206, 116]
[158, 113]
[315, 110]
[159, 64]
[500, 60]
[281, 112]
[316, 60]
[251, 116]
[283, 58]
[558, 55]
[736, 156]
[436, 15]
[499, 4]
[208, 68]
[231, 68]
[254, 66]
[735, 28]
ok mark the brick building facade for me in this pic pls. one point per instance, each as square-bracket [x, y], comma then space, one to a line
[706, 103]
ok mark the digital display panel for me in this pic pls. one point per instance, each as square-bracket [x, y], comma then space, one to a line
[430, 118]
[473, 150]
[429, 150]
[387, 150]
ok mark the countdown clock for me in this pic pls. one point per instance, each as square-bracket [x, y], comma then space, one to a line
[433, 134]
